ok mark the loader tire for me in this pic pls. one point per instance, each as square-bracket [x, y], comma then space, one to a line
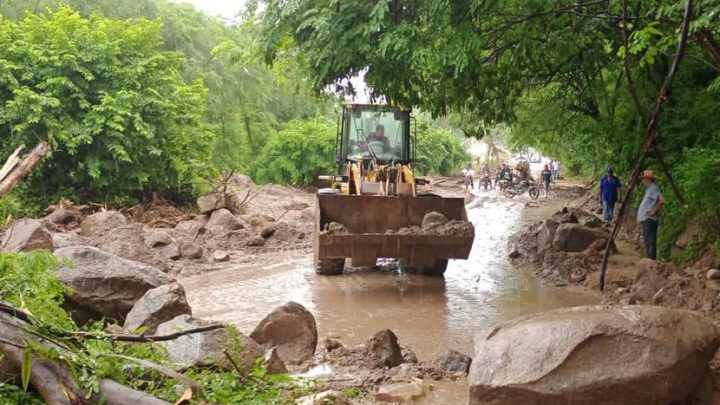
[438, 270]
[329, 267]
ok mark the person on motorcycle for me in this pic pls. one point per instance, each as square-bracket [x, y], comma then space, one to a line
[468, 173]
[485, 179]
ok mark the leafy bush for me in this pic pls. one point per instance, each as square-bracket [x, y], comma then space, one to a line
[297, 154]
[118, 116]
[439, 151]
[698, 177]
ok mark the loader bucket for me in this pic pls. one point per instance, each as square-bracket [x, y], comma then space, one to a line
[374, 229]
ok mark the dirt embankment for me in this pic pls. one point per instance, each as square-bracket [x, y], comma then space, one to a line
[630, 278]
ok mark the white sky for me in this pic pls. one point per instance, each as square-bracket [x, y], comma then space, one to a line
[223, 8]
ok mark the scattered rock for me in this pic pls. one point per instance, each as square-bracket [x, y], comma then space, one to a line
[576, 237]
[383, 349]
[713, 274]
[274, 363]
[453, 362]
[267, 231]
[221, 256]
[101, 223]
[190, 227]
[591, 221]
[211, 202]
[545, 236]
[565, 266]
[158, 305]
[336, 228]
[400, 392]
[26, 235]
[158, 239]
[331, 344]
[63, 216]
[571, 355]
[224, 219]
[324, 398]
[257, 220]
[191, 251]
[433, 219]
[105, 284]
[207, 348]
[255, 241]
[291, 328]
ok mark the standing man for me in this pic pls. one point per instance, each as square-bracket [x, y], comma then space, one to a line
[468, 173]
[557, 170]
[546, 176]
[609, 194]
[648, 211]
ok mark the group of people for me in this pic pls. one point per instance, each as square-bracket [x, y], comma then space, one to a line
[502, 172]
[648, 213]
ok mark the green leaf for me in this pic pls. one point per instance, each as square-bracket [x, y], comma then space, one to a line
[26, 367]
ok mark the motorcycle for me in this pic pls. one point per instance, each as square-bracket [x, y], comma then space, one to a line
[468, 181]
[521, 187]
[486, 182]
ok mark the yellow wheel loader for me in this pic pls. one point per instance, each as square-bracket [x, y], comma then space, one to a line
[377, 208]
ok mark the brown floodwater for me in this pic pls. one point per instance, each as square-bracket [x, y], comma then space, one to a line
[429, 315]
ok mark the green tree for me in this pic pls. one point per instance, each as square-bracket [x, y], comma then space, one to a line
[118, 116]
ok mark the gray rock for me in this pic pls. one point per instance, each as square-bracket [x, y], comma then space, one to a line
[101, 223]
[545, 236]
[158, 305]
[274, 363]
[383, 349]
[576, 237]
[128, 241]
[25, 235]
[291, 328]
[207, 348]
[191, 251]
[211, 202]
[713, 274]
[453, 362]
[105, 284]
[221, 256]
[255, 241]
[433, 219]
[159, 239]
[63, 216]
[223, 218]
[581, 355]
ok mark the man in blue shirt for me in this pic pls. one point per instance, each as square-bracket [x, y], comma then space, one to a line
[609, 194]
[648, 211]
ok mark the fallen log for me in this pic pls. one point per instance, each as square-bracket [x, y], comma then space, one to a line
[15, 169]
[53, 381]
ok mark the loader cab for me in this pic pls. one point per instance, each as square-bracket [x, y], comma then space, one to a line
[370, 132]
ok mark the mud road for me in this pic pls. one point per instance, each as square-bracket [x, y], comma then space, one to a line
[429, 315]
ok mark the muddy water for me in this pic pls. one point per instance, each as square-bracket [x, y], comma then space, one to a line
[429, 315]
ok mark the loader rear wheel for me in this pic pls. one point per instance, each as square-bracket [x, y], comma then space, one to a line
[329, 267]
[438, 270]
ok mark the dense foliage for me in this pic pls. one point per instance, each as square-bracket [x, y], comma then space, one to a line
[439, 151]
[117, 114]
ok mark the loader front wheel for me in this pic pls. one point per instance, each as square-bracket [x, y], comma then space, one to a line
[329, 267]
[438, 270]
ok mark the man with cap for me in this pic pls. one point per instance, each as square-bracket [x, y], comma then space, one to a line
[648, 211]
[609, 194]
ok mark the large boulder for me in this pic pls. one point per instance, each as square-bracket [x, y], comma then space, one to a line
[383, 349]
[26, 235]
[211, 202]
[545, 235]
[207, 348]
[158, 305]
[577, 237]
[101, 223]
[594, 354]
[223, 218]
[292, 329]
[128, 242]
[105, 284]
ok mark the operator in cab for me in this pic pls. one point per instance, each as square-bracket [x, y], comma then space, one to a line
[379, 136]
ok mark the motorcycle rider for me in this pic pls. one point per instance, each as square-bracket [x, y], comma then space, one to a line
[468, 173]
[485, 172]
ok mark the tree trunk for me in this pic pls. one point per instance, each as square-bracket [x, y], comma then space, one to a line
[16, 169]
[53, 381]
